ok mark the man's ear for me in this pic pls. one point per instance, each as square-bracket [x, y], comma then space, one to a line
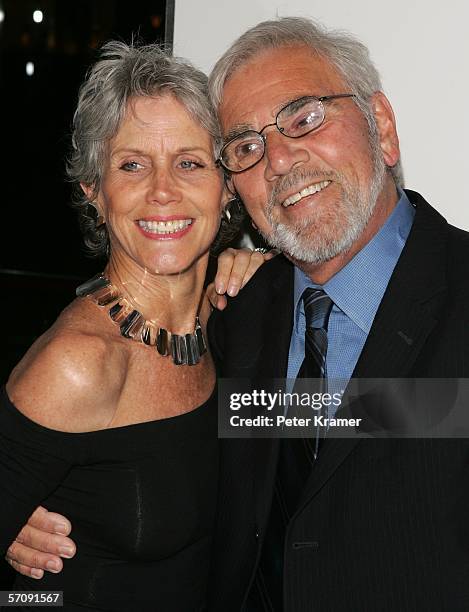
[386, 124]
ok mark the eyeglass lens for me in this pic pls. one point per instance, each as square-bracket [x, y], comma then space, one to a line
[295, 120]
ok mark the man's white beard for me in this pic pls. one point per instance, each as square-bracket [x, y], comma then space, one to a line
[326, 233]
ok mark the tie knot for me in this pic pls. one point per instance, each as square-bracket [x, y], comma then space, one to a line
[318, 306]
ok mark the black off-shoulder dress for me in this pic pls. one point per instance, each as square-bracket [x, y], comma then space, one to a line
[141, 499]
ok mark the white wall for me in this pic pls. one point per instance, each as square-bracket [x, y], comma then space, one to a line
[421, 48]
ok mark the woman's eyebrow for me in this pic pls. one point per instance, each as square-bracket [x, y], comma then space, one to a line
[194, 149]
[127, 150]
[135, 151]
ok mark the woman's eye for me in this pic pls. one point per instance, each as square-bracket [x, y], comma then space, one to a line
[189, 164]
[131, 166]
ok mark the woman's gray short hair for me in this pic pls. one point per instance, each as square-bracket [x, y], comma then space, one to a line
[121, 73]
[348, 55]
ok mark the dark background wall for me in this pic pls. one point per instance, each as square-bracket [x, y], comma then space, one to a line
[41, 254]
[38, 230]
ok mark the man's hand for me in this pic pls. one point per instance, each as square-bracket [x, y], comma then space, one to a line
[41, 543]
[235, 268]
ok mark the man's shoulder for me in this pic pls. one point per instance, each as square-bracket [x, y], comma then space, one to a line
[429, 213]
[243, 319]
[274, 276]
[458, 241]
[450, 243]
[457, 266]
[429, 217]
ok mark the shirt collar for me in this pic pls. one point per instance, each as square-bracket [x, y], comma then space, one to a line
[358, 288]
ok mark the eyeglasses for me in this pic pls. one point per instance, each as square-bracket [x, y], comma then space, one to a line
[294, 120]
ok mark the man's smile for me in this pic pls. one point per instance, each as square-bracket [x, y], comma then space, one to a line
[307, 191]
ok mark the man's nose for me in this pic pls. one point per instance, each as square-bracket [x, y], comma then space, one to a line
[283, 154]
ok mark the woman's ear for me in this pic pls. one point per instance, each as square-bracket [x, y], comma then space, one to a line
[89, 192]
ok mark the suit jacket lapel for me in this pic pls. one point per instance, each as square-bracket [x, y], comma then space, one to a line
[406, 316]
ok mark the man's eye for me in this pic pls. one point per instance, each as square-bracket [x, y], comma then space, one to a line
[189, 164]
[305, 121]
[248, 148]
[131, 166]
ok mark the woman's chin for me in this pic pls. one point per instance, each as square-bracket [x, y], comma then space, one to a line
[167, 265]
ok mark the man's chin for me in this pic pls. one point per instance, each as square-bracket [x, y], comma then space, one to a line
[300, 248]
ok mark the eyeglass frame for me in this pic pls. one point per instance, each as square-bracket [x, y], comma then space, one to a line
[320, 99]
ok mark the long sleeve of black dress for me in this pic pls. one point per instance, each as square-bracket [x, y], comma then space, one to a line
[34, 460]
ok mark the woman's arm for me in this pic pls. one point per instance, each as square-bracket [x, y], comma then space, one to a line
[58, 385]
[33, 461]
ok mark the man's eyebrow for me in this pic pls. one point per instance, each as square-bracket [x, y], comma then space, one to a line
[236, 130]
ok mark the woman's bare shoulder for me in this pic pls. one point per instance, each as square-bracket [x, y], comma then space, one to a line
[71, 377]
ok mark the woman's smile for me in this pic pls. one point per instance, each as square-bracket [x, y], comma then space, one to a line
[169, 228]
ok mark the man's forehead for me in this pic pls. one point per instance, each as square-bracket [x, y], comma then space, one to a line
[261, 87]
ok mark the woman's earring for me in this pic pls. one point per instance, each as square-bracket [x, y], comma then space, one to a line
[233, 206]
[226, 215]
[98, 218]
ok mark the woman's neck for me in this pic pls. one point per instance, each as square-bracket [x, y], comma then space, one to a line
[170, 301]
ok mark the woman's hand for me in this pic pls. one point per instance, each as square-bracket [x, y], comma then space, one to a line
[235, 268]
[41, 543]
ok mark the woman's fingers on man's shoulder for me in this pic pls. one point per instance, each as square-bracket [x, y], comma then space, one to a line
[236, 267]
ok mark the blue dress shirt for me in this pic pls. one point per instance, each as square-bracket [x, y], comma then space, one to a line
[356, 290]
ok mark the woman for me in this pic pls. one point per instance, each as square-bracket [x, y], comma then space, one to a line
[112, 411]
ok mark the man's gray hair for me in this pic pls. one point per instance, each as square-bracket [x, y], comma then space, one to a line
[348, 55]
[121, 73]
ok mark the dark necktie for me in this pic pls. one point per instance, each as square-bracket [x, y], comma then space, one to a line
[317, 306]
[296, 457]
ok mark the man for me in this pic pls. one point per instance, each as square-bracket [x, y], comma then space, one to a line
[312, 151]
[380, 524]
